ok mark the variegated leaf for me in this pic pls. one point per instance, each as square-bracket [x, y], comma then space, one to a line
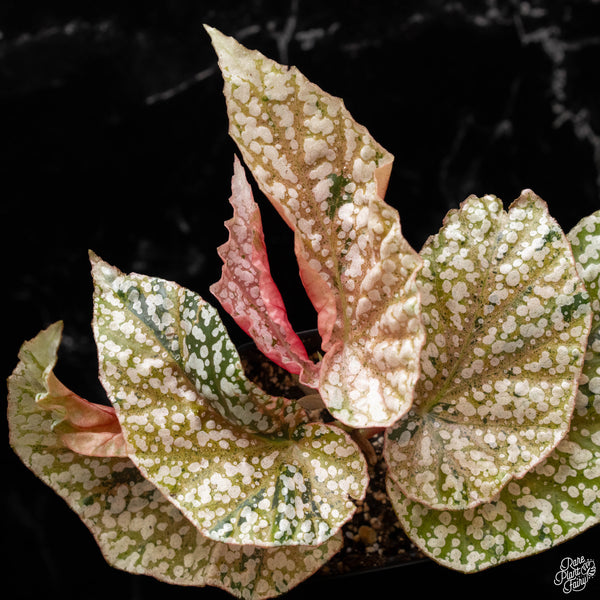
[326, 176]
[243, 466]
[555, 501]
[247, 291]
[136, 527]
[585, 242]
[84, 427]
[507, 321]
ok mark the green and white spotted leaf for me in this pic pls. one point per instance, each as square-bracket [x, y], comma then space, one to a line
[243, 466]
[327, 176]
[507, 320]
[585, 242]
[137, 528]
[555, 501]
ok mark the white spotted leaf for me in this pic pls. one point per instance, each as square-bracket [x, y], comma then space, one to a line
[507, 321]
[243, 466]
[585, 242]
[83, 427]
[556, 500]
[137, 529]
[247, 291]
[327, 176]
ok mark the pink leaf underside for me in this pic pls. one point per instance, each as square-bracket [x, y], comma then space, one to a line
[321, 294]
[326, 176]
[247, 291]
[86, 428]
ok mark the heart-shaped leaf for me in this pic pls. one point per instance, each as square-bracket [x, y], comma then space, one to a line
[247, 291]
[326, 176]
[555, 501]
[507, 323]
[243, 466]
[136, 527]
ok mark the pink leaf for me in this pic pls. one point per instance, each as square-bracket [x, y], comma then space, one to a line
[85, 428]
[326, 176]
[321, 294]
[247, 291]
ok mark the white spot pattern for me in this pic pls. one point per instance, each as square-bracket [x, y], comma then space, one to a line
[556, 500]
[502, 362]
[137, 528]
[327, 176]
[247, 291]
[194, 402]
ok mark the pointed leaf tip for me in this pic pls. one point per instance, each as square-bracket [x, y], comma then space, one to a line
[326, 176]
[84, 427]
[166, 361]
[212, 31]
[247, 290]
[106, 491]
[225, 46]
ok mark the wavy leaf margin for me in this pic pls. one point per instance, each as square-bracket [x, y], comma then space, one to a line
[243, 466]
[137, 529]
[507, 320]
[554, 502]
[327, 176]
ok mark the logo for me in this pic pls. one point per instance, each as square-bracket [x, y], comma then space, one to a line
[574, 573]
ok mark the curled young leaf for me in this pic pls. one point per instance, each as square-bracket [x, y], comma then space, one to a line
[556, 500]
[247, 291]
[243, 466]
[84, 427]
[327, 176]
[507, 320]
[137, 528]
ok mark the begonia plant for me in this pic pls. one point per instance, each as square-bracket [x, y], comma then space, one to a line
[478, 359]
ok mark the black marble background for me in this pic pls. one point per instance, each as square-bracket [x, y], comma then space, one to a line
[114, 137]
